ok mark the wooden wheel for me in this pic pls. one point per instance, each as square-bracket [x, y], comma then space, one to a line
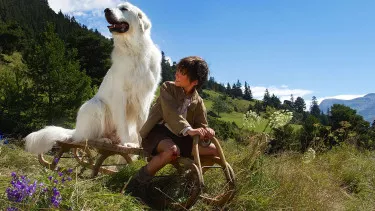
[221, 190]
[216, 174]
[96, 160]
[83, 156]
[51, 159]
[177, 187]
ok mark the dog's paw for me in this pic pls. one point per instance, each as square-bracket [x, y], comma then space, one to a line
[108, 141]
[131, 145]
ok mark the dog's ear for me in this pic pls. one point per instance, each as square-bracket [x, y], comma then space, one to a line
[144, 21]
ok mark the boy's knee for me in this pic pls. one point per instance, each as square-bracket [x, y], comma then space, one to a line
[173, 152]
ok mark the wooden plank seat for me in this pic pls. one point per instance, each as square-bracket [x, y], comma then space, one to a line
[81, 152]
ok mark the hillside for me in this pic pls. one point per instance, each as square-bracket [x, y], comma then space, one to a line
[23, 21]
[365, 106]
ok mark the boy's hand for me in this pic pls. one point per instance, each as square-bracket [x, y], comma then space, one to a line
[210, 133]
[198, 131]
[204, 133]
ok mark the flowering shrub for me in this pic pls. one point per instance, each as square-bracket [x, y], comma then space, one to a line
[27, 195]
[251, 119]
[275, 120]
[261, 141]
[309, 155]
[280, 118]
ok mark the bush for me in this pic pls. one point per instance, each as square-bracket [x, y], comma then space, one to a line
[224, 130]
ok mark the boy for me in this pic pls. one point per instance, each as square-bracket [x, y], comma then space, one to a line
[178, 115]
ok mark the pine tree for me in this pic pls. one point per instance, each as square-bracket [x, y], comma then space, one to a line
[15, 95]
[228, 90]
[167, 73]
[247, 94]
[292, 100]
[314, 108]
[59, 85]
[266, 99]
[211, 84]
[300, 105]
[275, 101]
[238, 90]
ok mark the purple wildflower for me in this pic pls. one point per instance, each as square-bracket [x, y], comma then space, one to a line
[56, 197]
[60, 174]
[12, 209]
[55, 181]
[20, 189]
[50, 178]
[56, 160]
[13, 174]
[70, 170]
[69, 178]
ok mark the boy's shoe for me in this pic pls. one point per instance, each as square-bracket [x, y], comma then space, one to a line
[138, 186]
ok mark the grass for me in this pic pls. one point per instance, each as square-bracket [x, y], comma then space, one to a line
[341, 179]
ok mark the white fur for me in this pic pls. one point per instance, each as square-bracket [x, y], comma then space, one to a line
[122, 102]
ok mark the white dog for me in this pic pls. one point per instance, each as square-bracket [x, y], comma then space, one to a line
[121, 105]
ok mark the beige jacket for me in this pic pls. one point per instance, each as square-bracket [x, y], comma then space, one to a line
[166, 108]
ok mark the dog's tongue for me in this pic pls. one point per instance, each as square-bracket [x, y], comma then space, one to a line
[117, 25]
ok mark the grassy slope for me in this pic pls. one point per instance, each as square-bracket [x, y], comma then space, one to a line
[341, 179]
[234, 116]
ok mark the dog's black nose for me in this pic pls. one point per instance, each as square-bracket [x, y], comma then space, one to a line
[107, 10]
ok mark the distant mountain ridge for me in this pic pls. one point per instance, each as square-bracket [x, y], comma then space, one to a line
[365, 106]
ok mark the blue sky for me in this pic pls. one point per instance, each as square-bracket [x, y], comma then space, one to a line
[322, 48]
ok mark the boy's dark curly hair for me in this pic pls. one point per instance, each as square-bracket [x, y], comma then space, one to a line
[195, 68]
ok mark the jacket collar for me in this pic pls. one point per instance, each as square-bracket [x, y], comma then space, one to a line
[193, 96]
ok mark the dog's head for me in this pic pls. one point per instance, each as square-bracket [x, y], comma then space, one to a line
[127, 19]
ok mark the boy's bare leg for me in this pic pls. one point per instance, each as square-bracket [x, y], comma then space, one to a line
[167, 151]
[209, 150]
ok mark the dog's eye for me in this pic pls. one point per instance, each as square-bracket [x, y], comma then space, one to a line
[124, 9]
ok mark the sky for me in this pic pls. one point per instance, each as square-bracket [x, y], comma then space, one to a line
[306, 48]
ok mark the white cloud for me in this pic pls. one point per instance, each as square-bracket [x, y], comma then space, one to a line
[284, 86]
[70, 6]
[169, 59]
[78, 14]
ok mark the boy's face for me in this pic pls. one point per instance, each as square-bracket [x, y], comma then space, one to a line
[182, 80]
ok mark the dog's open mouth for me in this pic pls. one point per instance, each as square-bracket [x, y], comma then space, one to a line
[119, 27]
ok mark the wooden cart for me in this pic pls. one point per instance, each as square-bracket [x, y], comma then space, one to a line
[188, 175]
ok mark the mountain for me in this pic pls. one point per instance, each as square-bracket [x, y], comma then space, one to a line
[365, 106]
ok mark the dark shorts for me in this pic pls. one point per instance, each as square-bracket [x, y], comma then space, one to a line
[159, 133]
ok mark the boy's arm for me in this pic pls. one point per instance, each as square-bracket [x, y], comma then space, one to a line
[200, 115]
[201, 121]
[176, 122]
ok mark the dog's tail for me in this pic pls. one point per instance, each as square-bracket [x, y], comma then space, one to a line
[43, 140]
